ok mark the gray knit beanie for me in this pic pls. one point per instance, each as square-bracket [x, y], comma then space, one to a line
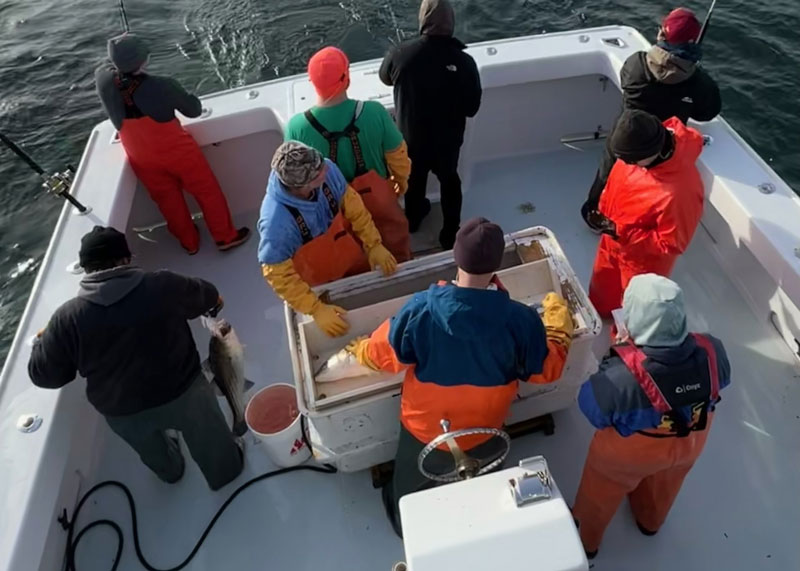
[128, 52]
[296, 164]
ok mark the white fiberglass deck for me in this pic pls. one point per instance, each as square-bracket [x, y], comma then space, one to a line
[739, 508]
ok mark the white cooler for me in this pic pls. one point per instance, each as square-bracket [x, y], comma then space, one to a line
[353, 423]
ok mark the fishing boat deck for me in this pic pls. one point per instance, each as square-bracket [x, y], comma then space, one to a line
[739, 508]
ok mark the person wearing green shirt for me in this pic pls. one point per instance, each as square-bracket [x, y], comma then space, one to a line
[362, 139]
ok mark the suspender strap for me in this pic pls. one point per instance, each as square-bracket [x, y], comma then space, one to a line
[351, 132]
[332, 138]
[326, 192]
[634, 359]
[305, 232]
[705, 344]
[127, 89]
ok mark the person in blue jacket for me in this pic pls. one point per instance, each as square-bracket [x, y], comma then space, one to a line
[652, 403]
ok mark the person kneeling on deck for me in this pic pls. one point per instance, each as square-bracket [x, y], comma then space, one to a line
[165, 158]
[363, 141]
[126, 333]
[651, 206]
[313, 226]
[667, 81]
[652, 403]
[464, 346]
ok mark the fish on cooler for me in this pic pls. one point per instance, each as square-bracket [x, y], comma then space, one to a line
[225, 365]
[342, 365]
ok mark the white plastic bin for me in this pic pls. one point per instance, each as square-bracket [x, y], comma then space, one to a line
[274, 418]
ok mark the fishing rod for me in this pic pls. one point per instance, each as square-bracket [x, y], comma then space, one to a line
[704, 28]
[57, 184]
[124, 16]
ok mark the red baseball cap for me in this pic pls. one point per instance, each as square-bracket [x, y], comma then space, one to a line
[329, 71]
[681, 26]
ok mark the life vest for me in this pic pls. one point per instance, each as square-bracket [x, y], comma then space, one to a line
[376, 192]
[694, 383]
[333, 254]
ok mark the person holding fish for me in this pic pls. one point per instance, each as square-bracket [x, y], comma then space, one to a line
[464, 347]
[127, 333]
[314, 229]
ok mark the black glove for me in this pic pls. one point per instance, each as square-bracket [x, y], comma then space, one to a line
[217, 308]
[605, 224]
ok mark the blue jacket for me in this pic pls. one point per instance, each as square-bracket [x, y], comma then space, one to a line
[279, 235]
[613, 397]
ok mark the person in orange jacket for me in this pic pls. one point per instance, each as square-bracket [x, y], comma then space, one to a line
[165, 158]
[464, 347]
[363, 141]
[652, 403]
[650, 207]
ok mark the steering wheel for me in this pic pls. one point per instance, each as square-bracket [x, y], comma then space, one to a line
[465, 466]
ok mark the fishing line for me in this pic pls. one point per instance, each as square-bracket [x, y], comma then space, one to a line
[72, 544]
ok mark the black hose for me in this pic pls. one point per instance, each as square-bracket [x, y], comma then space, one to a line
[72, 544]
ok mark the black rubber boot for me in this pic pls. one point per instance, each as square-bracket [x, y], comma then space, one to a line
[646, 531]
[242, 235]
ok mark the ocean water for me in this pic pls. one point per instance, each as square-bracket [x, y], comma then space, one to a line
[49, 49]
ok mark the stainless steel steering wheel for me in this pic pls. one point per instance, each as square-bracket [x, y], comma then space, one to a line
[465, 466]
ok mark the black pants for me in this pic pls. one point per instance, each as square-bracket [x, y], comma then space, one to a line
[443, 162]
[408, 479]
[606, 162]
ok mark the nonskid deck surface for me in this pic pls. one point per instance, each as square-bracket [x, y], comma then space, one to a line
[738, 509]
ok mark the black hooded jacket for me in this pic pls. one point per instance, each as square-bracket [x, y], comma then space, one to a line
[668, 86]
[127, 333]
[436, 84]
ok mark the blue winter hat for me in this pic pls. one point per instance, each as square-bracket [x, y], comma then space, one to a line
[128, 52]
[654, 312]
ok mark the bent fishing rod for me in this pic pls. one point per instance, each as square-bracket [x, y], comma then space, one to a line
[704, 28]
[57, 183]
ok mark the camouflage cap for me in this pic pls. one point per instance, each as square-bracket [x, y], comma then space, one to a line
[296, 164]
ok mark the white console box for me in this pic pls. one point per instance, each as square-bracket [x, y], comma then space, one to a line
[477, 524]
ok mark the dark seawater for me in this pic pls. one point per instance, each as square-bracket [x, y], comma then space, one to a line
[49, 48]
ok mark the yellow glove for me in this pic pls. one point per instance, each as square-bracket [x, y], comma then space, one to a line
[359, 348]
[399, 166]
[379, 256]
[329, 319]
[557, 319]
[360, 219]
[290, 287]
[398, 189]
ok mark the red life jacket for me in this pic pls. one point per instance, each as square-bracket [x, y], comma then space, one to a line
[669, 392]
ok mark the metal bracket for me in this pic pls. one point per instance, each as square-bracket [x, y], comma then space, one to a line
[615, 42]
[533, 486]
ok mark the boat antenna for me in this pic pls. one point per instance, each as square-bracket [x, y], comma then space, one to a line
[124, 16]
[703, 30]
[57, 184]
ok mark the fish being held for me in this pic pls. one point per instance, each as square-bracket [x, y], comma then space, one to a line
[226, 365]
[342, 365]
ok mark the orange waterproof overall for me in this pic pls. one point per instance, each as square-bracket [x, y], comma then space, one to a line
[332, 255]
[648, 467]
[376, 192]
[166, 159]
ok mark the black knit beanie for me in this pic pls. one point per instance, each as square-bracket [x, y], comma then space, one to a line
[479, 246]
[637, 135]
[101, 247]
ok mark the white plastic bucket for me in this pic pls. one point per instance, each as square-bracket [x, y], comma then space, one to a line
[274, 418]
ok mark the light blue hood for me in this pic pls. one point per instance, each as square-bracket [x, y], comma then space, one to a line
[654, 312]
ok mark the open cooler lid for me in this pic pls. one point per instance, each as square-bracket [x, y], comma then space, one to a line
[533, 265]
